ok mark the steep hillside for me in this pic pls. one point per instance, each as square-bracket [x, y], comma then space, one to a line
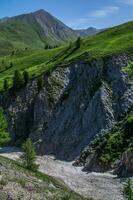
[108, 148]
[109, 42]
[54, 30]
[85, 89]
[34, 30]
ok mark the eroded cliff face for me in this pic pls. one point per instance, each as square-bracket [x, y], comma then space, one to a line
[76, 103]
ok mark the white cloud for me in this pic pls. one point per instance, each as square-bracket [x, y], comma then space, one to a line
[128, 2]
[104, 11]
[99, 13]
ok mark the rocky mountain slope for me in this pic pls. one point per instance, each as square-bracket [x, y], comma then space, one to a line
[76, 103]
[34, 30]
[112, 149]
[85, 90]
[77, 97]
[88, 32]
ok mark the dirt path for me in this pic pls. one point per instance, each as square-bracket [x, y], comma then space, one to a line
[104, 186]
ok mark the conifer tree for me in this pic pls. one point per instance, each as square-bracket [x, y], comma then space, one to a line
[17, 80]
[6, 85]
[29, 155]
[26, 77]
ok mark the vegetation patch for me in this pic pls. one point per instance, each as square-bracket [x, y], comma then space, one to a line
[129, 70]
[4, 135]
[110, 146]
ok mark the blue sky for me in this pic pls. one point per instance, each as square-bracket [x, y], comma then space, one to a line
[75, 13]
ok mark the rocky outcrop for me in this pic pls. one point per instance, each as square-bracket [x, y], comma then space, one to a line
[89, 161]
[76, 103]
[124, 166]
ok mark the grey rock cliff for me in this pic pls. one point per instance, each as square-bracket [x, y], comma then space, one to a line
[76, 103]
[124, 167]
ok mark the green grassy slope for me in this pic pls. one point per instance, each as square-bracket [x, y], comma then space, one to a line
[18, 33]
[34, 30]
[34, 62]
[112, 41]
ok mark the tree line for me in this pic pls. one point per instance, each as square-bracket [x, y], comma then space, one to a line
[20, 80]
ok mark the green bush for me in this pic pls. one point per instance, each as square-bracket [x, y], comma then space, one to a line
[110, 146]
[4, 135]
[128, 132]
[5, 85]
[26, 77]
[11, 65]
[3, 181]
[29, 155]
[128, 190]
[78, 42]
[17, 80]
[22, 181]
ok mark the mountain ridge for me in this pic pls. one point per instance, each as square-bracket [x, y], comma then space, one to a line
[33, 30]
[89, 31]
[36, 30]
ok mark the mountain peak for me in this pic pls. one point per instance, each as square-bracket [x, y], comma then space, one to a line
[40, 12]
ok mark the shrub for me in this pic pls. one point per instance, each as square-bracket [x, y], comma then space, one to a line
[128, 132]
[46, 46]
[4, 135]
[66, 197]
[6, 85]
[29, 155]
[11, 65]
[26, 77]
[78, 42]
[17, 80]
[21, 181]
[13, 53]
[3, 182]
[110, 146]
[128, 190]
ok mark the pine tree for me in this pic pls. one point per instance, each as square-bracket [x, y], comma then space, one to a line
[26, 77]
[78, 42]
[46, 46]
[6, 85]
[17, 80]
[29, 155]
[11, 65]
[13, 53]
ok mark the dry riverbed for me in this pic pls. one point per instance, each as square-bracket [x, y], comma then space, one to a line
[104, 186]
